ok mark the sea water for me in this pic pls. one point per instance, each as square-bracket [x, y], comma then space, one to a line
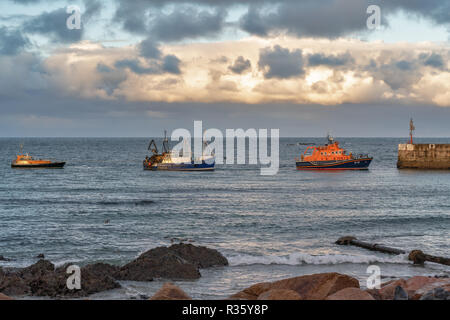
[103, 207]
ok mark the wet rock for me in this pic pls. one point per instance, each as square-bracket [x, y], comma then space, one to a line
[417, 282]
[200, 256]
[179, 261]
[40, 256]
[11, 284]
[169, 291]
[42, 279]
[350, 294]
[40, 268]
[387, 291]
[309, 287]
[5, 297]
[101, 269]
[437, 294]
[253, 292]
[97, 278]
[400, 293]
[441, 283]
[279, 294]
[168, 266]
[2, 258]
[374, 293]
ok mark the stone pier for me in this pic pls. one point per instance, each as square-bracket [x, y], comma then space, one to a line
[423, 156]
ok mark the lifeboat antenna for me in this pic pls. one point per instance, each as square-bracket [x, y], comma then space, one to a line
[411, 130]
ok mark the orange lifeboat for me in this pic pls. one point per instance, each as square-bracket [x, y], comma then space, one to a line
[26, 161]
[331, 156]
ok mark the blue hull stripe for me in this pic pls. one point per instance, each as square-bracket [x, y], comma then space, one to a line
[343, 164]
[182, 167]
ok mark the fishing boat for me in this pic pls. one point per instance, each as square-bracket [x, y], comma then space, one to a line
[166, 160]
[25, 161]
[331, 157]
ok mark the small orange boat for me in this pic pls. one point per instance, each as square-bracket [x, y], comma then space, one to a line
[26, 161]
[331, 157]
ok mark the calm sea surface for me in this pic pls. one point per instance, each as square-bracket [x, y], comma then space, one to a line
[269, 227]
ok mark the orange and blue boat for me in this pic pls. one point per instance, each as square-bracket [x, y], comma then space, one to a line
[331, 157]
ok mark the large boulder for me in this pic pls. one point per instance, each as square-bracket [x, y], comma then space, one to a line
[169, 291]
[309, 287]
[387, 290]
[414, 288]
[350, 294]
[5, 297]
[169, 266]
[441, 284]
[199, 256]
[279, 294]
[177, 262]
[440, 293]
[253, 292]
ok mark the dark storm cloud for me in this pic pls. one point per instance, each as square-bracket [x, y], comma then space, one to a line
[171, 64]
[149, 49]
[404, 65]
[133, 15]
[136, 66]
[278, 62]
[240, 65]
[187, 23]
[327, 18]
[397, 74]
[168, 64]
[253, 23]
[53, 24]
[331, 18]
[92, 7]
[434, 60]
[318, 59]
[12, 41]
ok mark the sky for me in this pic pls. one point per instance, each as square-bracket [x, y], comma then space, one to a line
[306, 67]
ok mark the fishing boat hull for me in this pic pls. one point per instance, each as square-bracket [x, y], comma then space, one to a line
[180, 166]
[53, 165]
[353, 164]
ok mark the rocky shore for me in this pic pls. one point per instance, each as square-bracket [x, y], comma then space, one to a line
[184, 261]
[329, 286]
[177, 262]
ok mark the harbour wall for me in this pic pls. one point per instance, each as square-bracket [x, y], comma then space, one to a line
[423, 156]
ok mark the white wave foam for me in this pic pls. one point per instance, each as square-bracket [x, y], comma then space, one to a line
[304, 258]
